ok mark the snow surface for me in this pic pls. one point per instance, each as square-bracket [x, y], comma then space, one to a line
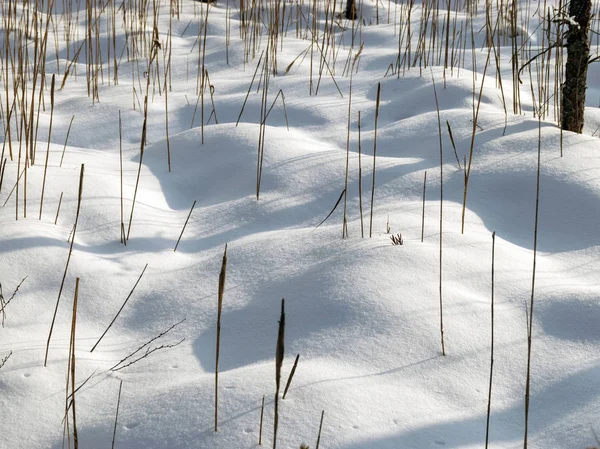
[362, 313]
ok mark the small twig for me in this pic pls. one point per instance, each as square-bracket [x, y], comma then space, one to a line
[148, 352]
[546, 50]
[3, 303]
[477, 125]
[4, 360]
[397, 239]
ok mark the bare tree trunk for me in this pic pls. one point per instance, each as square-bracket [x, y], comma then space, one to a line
[350, 9]
[578, 51]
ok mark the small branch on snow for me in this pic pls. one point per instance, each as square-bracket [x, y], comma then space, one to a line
[3, 303]
[148, 351]
[4, 360]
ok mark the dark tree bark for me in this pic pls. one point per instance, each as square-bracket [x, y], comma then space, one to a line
[578, 53]
[350, 9]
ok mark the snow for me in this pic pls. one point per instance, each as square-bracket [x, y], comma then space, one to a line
[362, 313]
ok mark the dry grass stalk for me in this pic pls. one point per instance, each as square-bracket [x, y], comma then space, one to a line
[68, 260]
[345, 222]
[66, 140]
[58, 208]
[437, 106]
[530, 322]
[453, 145]
[72, 365]
[360, 208]
[2, 172]
[320, 429]
[184, 225]
[475, 117]
[121, 309]
[249, 89]
[262, 410]
[48, 147]
[122, 227]
[289, 381]
[374, 158]
[489, 407]
[279, 354]
[222, 276]
[116, 416]
[423, 213]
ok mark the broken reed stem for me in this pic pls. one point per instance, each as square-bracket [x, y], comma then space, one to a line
[58, 208]
[116, 416]
[453, 145]
[437, 106]
[374, 157]
[320, 428]
[279, 353]
[222, 276]
[489, 407]
[48, 146]
[62, 284]
[66, 140]
[332, 210]
[184, 225]
[262, 410]
[121, 309]
[289, 381]
[423, 214]
[362, 229]
[72, 365]
[530, 324]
